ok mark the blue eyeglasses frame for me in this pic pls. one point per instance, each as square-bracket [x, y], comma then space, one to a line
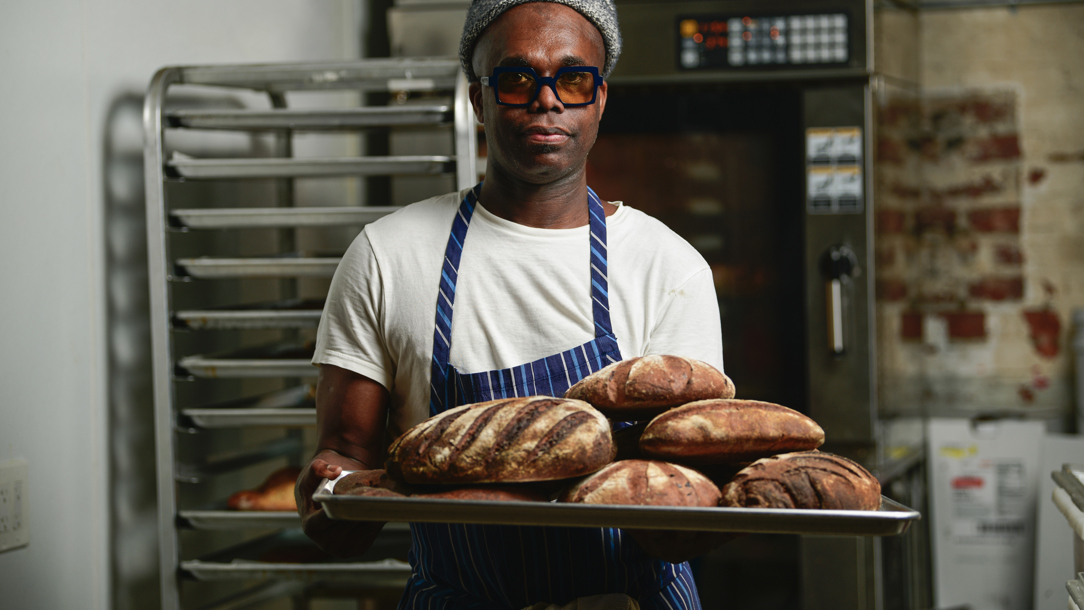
[543, 81]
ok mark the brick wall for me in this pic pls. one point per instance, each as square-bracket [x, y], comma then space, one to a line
[980, 215]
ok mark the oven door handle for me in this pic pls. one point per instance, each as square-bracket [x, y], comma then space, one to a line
[838, 264]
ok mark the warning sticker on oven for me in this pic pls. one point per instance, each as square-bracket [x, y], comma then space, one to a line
[833, 170]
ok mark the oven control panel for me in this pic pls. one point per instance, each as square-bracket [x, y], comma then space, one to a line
[749, 41]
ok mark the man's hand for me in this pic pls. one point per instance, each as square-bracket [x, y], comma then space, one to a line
[340, 538]
[679, 546]
[351, 415]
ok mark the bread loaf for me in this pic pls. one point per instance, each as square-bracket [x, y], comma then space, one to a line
[809, 479]
[362, 482]
[726, 431]
[276, 493]
[377, 484]
[499, 493]
[645, 483]
[641, 388]
[509, 440]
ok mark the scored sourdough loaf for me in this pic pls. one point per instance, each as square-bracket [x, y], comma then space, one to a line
[646, 483]
[511, 440]
[809, 479]
[727, 431]
[641, 388]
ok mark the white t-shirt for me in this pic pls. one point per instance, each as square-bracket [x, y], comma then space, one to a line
[522, 293]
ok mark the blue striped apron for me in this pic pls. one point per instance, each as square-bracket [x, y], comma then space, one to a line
[492, 566]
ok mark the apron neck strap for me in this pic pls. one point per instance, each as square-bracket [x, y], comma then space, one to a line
[449, 275]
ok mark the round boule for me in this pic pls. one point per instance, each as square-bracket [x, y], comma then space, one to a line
[728, 431]
[641, 388]
[807, 479]
[644, 483]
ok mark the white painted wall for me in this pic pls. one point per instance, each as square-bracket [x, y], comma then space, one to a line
[62, 63]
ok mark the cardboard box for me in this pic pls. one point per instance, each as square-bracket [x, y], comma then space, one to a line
[984, 481]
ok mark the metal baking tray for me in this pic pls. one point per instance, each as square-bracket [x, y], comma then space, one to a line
[268, 361]
[892, 519]
[382, 74]
[239, 519]
[292, 313]
[207, 267]
[1071, 479]
[182, 166]
[292, 407]
[323, 119]
[247, 218]
[203, 469]
[248, 561]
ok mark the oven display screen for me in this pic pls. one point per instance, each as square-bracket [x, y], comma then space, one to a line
[736, 41]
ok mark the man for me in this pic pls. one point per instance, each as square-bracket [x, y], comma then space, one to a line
[549, 284]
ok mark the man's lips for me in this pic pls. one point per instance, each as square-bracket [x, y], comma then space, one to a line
[546, 135]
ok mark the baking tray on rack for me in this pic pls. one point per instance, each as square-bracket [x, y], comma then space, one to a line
[295, 407]
[290, 265]
[892, 519]
[224, 519]
[289, 555]
[291, 313]
[247, 218]
[267, 361]
[183, 166]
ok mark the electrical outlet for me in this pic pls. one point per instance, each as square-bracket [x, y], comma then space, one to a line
[14, 525]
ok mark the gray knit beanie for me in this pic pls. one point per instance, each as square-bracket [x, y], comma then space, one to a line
[601, 13]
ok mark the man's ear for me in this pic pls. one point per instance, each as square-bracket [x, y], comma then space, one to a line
[602, 99]
[474, 91]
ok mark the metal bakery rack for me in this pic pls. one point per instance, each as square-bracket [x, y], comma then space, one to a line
[246, 224]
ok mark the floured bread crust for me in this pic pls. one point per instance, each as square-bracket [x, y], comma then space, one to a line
[511, 440]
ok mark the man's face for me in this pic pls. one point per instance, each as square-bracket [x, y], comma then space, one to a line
[544, 141]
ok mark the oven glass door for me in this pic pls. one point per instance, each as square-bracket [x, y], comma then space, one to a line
[723, 169]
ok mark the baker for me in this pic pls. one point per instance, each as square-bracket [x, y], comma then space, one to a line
[519, 286]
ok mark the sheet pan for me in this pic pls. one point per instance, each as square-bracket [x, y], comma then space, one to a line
[892, 519]
[292, 313]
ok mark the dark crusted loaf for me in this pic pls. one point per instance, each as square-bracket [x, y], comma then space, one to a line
[511, 440]
[646, 483]
[728, 431]
[641, 388]
[494, 493]
[810, 479]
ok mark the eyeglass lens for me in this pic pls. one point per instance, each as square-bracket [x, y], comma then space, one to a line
[520, 87]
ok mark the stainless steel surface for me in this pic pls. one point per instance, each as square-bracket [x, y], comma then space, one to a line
[842, 391]
[217, 268]
[245, 218]
[1067, 479]
[237, 418]
[1076, 590]
[235, 519]
[417, 74]
[892, 519]
[466, 137]
[158, 274]
[178, 408]
[237, 368]
[315, 120]
[294, 313]
[389, 573]
[653, 27]
[278, 168]
[200, 471]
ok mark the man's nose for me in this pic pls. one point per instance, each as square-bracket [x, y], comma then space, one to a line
[547, 99]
